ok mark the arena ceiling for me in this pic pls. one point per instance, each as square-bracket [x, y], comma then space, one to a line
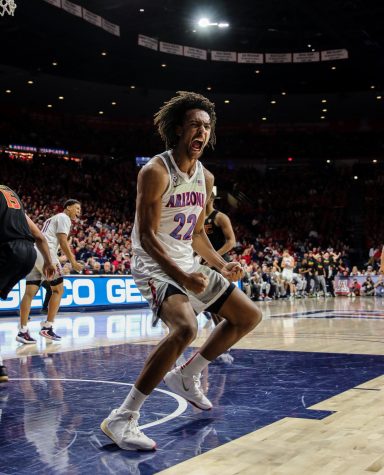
[46, 42]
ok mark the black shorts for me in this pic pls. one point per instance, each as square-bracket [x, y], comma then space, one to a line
[217, 304]
[17, 259]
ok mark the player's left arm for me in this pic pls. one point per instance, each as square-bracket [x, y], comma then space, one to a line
[203, 247]
[224, 223]
[42, 246]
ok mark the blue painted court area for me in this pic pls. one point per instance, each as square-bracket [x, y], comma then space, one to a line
[51, 410]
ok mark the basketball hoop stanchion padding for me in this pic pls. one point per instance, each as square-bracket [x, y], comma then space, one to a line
[7, 7]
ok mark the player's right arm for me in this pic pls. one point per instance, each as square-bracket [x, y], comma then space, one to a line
[42, 246]
[63, 241]
[225, 225]
[152, 182]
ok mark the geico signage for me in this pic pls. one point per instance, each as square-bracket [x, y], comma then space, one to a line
[78, 292]
[122, 291]
[100, 291]
[82, 292]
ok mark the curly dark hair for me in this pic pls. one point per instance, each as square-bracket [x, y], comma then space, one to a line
[172, 113]
[71, 202]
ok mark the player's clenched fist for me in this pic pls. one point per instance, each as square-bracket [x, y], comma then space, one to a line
[196, 282]
[232, 271]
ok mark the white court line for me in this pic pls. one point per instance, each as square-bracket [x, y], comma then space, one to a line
[181, 401]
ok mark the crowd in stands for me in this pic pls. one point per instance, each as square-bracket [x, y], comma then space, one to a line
[307, 210]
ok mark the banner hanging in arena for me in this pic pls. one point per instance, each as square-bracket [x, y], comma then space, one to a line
[278, 58]
[148, 42]
[244, 58]
[55, 3]
[250, 58]
[306, 57]
[195, 53]
[72, 8]
[110, 27]
[88, 16]
[91, 17]
[334, 54]
[171, 48]
[230, 56]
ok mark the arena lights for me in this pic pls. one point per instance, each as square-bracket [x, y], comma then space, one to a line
[333, 68]
[355, 177]
[49, 106]
[257, 71]
[227, 101]
[141, 10]
[374, 161]
[8, 91]
[322, 117]
[163, 65]
[324, 101]
[205, 22]
[61, 98]
[373, 87]
[328, 161]
[113, 103]
[133, 86]
[290, 159]
[273, 102]
[101, 112]
[378, 97]
[324, 110]
[263, 118]
[103, 53]
[55, 63]
[283, 93]
[209, 88]
[30, 82]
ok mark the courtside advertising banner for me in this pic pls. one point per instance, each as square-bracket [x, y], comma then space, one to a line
[85, 291]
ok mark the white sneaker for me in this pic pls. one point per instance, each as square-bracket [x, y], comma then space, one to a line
[180, 360]
[123, 429]
[188, 387]
[225, 358]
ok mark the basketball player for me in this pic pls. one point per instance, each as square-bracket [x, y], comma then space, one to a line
[56, 230]
[219, 230]
[172, 190]
[17, 252]
[288, 264]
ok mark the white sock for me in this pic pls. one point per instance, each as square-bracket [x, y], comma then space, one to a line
[194, 365]
[134, 400]
[23, 329]
[46, 324]
[1, 361]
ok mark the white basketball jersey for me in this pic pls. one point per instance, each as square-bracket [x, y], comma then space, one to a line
[289, 262]
[60, 223]
[181, 206]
